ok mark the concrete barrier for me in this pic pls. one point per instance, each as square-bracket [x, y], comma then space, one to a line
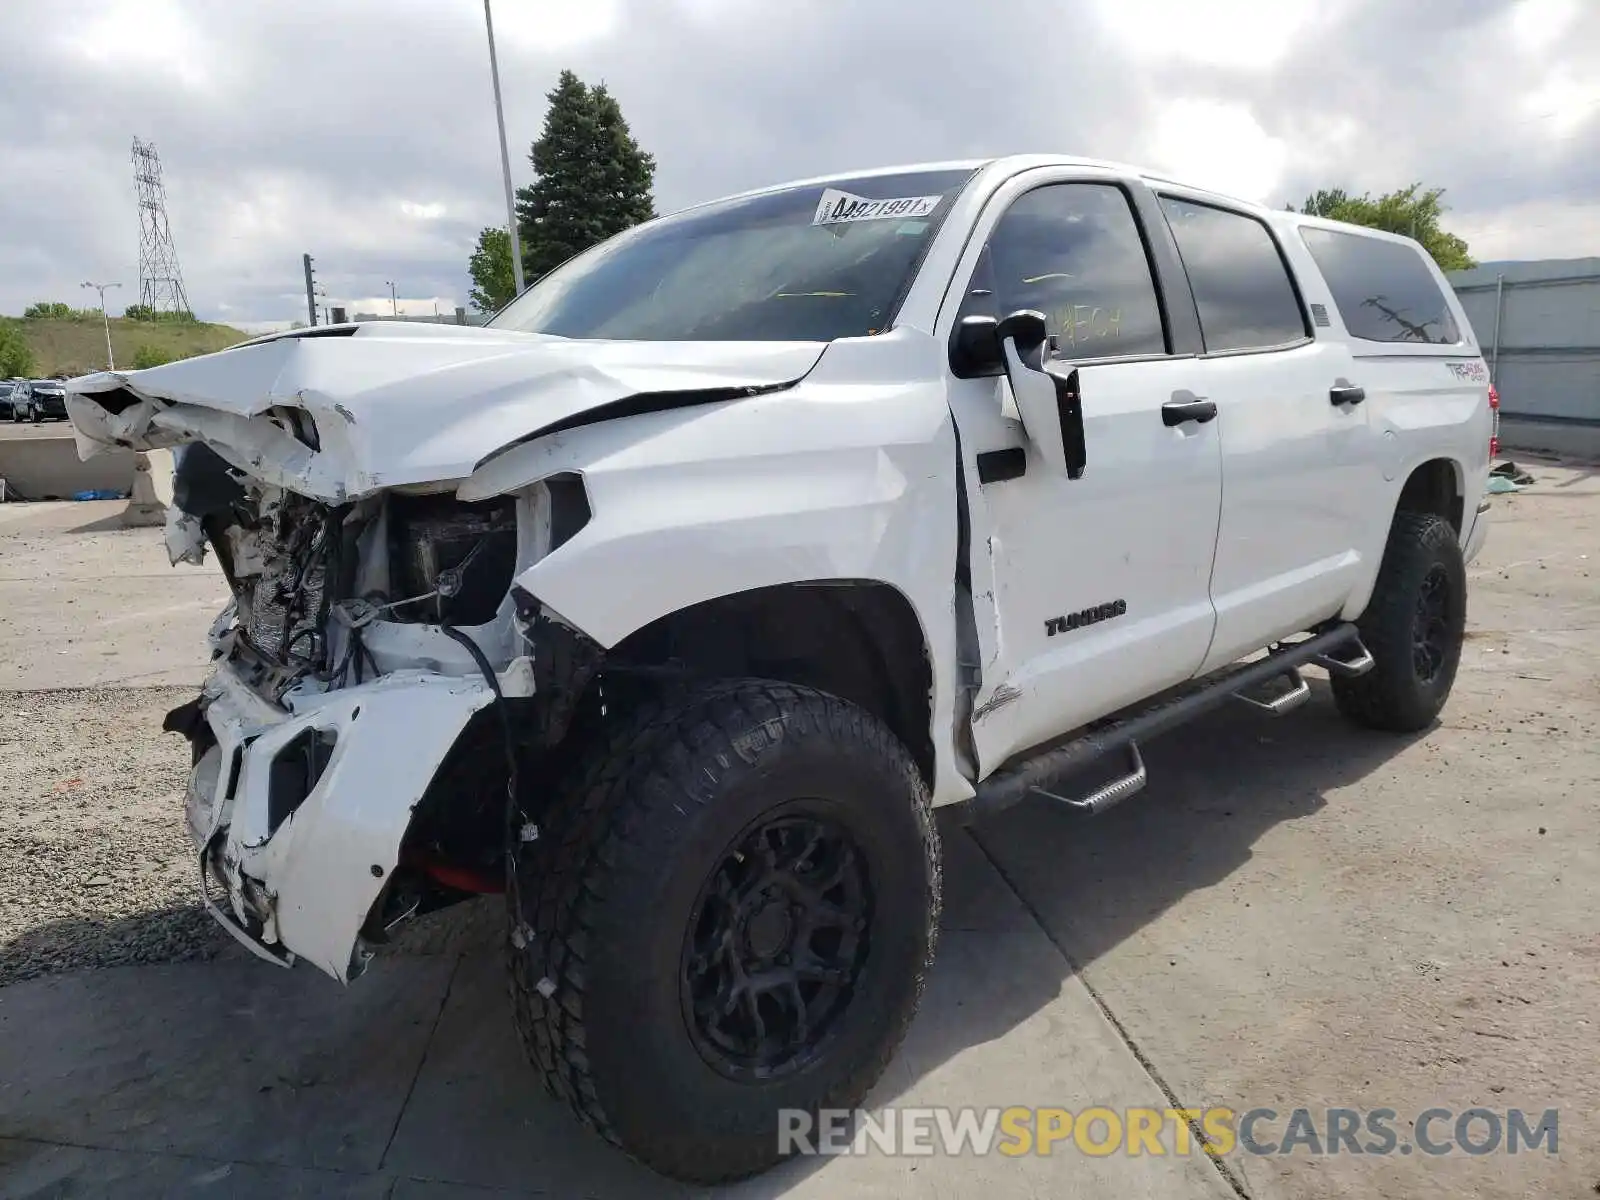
[152, 489]
[48, 468]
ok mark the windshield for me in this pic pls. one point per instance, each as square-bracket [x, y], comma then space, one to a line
[801, 264]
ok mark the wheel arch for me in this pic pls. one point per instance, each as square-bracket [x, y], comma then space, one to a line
[859, 639]
[1438, 486]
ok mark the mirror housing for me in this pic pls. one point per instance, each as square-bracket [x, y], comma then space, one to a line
[1047, 400]
[975, 349]
[1028, 329]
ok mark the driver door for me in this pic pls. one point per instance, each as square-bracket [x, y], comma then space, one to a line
[1092, 592]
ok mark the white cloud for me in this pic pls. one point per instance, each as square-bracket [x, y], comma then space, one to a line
[1250, 35]
[1539, 229]
[1217, 145]
[422, 212]
[1561, 106]
[140, 35]
[1537, 25]
[546, 25]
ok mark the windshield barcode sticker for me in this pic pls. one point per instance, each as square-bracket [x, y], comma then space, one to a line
[838, 208]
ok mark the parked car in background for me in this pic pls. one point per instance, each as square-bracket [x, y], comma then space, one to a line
[35, 399]
[7, 387]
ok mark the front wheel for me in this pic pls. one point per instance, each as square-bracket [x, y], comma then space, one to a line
[728, 915]
[1413, 626]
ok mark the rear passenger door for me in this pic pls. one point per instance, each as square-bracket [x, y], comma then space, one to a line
[1297, 453]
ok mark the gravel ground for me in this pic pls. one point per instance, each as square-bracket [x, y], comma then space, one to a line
[97, 869]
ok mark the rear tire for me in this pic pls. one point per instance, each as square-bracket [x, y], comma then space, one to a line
[729, 911]
[1413, 626]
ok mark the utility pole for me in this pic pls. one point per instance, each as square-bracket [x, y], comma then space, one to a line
[394, 305]
[111, 362]
[311, 289]
[505, 157]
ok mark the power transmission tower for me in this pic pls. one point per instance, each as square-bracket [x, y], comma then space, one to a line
[160, 279]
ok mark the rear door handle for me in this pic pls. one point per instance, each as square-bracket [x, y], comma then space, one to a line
[1176, 412]
[1344, 393]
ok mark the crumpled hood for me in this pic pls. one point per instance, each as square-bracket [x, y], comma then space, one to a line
[396, 403]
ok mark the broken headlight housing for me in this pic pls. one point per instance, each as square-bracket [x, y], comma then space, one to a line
[450, 562]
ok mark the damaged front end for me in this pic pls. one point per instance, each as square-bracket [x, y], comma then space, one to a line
[378, 680]
[349, 771]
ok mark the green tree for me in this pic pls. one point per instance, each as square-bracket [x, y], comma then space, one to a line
[1410, 211]
[494, 283]
[47, 309]
[151, 356]
[16, 356]
[139, 312]
[591, 178]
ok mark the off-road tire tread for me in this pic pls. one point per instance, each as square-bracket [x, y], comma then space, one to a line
[1385, 697]
[597, 813]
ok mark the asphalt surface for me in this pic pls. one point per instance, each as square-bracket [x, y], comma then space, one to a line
[1294, 913]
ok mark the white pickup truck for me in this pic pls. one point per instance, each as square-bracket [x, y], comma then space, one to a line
[674, 601]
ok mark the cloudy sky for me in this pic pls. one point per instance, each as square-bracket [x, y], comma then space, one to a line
[363, 131]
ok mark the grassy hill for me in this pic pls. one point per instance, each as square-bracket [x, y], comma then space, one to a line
[77, 345]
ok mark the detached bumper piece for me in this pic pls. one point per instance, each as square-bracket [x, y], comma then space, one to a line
[298, 815]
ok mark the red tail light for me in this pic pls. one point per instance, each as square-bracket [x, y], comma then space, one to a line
[1494, 434]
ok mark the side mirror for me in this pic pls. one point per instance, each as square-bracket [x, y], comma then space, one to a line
[1047, 398]
[975, 349]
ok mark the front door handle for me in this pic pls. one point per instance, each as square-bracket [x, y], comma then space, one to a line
[1344, 393]
[1176, 412]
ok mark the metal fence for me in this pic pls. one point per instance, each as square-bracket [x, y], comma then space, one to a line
[1539, 326]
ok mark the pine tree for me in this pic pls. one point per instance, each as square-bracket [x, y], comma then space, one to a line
[592, 179]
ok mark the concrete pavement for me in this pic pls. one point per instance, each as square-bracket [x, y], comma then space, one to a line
[231, 1078]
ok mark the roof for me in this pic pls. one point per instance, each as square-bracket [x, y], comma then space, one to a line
[1010, 164]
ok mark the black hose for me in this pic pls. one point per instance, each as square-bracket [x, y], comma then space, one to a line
[514, 817]
[493, 681]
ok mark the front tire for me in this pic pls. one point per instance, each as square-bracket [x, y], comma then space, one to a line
[1413, 626]
[729, 912]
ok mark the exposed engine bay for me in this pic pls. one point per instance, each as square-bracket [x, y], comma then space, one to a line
[375, 648]
[318, 588]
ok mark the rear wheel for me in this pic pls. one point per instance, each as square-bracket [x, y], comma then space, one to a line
[728, 913]
[1413, 626]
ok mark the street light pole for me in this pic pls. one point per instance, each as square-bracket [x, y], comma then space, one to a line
[394, 305]
[505, 157]
[111, 362]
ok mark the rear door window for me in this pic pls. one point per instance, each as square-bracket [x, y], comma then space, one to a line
[1241, 286]
[1383, 289]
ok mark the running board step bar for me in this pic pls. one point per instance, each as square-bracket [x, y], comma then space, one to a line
[1115, 792]
[1285, 702]
[1337, 649]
